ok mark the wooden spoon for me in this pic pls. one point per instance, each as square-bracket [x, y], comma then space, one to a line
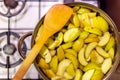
[54, 20]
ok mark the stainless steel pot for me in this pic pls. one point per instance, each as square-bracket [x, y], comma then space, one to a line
[100, 12]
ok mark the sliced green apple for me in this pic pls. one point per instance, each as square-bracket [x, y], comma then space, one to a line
[57, 41]
[67, 45]
[43, 64]
[110, 44]
[81, 57]
[62, 66]
[102, 52]
[67, 76]
[54, 64]
[104, 39]
[91, 39]
[78, 75]
[93, 30]
[60, 53]
[91, 66]
[83, 10]
[111, 52]
[84, 34]
[89, 48]
[107, 64]
[92, 35]
[49, 73]
[71, 26]
[98, 75]
[76, 8]
[96, 58]
[71, 51]
[57, 78]
[73, 59]
[88, 75]
[100, 23]
[48, 57]
[78, 44]
[45, 54]
[69, 36]
[70, 70]
[59, 38]
[76, 21]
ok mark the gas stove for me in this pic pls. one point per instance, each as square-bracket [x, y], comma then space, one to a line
[17, 17]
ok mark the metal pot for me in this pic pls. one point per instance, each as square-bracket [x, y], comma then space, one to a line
[102, 13]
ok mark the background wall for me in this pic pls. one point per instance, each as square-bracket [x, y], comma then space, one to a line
[112, 8]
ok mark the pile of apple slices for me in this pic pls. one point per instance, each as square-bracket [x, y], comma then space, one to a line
[83, 50]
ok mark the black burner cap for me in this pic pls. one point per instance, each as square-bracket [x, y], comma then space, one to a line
[9, 49]
[11, 3]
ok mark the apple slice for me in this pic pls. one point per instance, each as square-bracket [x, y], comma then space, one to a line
[92, 35]
[110, 44]
[42, 64]
[71, 51]
[49, 73]
[67, 45]
[84, 34]
[60, 53]
[104, 39]
[70, 70]
[91, 39]
[93, 30]
[71, 26]
[69, 36]
[52, 52]
[59, 38]
[96, 58]
[54, 64]
[73, 59]
[76, 8]
[53, 44]
[107, 64]
[88, 75]
[57, 42]
[67, 76]
[81, 57]
[83, 10]
[48, 57]
[62, 66]
[111, 52]
[78, 44]
[45, 54]
[91, 66]
[78, 75]
[102, 52]
[76, 20]
[57, 78]
[100, 23]
[89, 48]
[98, 75]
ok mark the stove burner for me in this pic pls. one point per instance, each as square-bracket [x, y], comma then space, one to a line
[13, 7]
[11, 3]
[9, 49]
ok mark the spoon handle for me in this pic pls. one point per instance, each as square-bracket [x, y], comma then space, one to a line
[30, 57]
